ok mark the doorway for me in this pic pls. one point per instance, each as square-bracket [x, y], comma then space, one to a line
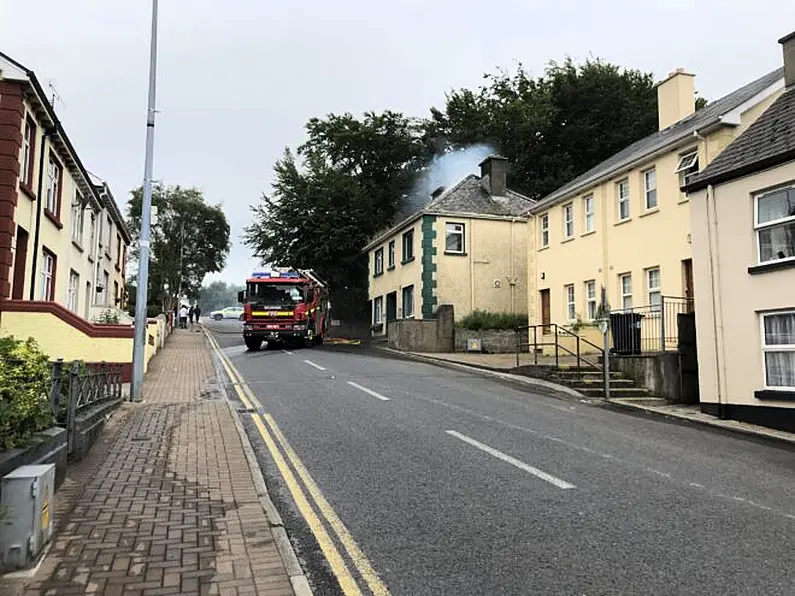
[687, 282]
[391, 307]
[545, 314]
[20, 264]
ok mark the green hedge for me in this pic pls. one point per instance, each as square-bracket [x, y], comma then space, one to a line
[24, 384]
[479, 320]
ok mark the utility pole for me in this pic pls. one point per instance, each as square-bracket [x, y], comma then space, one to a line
[139, 341]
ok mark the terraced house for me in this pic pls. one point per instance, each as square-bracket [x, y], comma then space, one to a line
[466, 247]
[63, 242]
[625, 224]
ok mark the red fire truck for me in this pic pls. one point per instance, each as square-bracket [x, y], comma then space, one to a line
[284, 307]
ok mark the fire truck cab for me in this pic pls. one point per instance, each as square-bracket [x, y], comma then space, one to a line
[284, 307]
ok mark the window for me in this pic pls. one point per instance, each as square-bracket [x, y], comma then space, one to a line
[116, 292]
[568, 220]
[570, 304]
[408, 302]
[78, 218]
[622, 188]
[109, 236]
[378, 262]
[118, 251]
[590, 296]
[378, 310]
[72, 290]
[408, 246]
[545, 230]
[391, 257]
[650, 188]
[105, 288]
[28, 153]
[778, 347]
[92, 228]
[653, 286]
[625, 284]
[454, 238]
[687, 166]
[588, 213]
[48, 264]
[53, 204]
[775, 225]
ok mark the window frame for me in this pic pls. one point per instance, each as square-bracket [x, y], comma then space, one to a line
[591, 305]
[391, 254]
[623, 200]
[73, 291]
[378, 310]
[568, 220]
[650, 291]
[544, 229]
[623, 294]
[403, 295]
[78, 219]
[589, 225]
[409, 234]
[571, 302]
[48, 275]
[54, 187]
[28, 154]
[765, 349]
[461, 233]
[790, 219]
[378, 262]
[687, 166]
[647, 191]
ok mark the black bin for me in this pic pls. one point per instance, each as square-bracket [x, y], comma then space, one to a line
[626, 327]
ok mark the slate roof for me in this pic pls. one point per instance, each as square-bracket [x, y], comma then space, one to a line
[768, 142]
[466, 198]
[706, 116]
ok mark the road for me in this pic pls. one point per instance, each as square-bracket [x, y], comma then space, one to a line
[424, 480]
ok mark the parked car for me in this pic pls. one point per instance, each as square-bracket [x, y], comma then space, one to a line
[230, 312]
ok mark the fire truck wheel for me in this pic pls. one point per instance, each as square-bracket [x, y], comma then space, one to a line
[253, 343]
[318, 339]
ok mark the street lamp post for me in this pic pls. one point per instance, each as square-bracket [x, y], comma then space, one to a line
[139, 341]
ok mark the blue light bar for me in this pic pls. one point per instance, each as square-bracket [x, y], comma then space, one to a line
[291, 274]
[261, 274]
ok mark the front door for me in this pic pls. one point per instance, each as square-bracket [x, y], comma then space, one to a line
[687, 282]
[545, 316]
[20, 263]
[391, 306]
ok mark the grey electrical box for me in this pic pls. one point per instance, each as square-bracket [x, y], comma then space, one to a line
[26, 498]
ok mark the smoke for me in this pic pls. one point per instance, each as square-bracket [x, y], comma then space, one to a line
[444, 170]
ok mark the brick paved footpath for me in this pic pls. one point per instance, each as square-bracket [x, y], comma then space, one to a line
[165, 502]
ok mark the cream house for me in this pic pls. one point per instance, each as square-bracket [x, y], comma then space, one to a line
[466, 247]
[62, 237]
[743, 211]
[625, 224]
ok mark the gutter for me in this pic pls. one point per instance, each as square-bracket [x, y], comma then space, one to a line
[48, 132]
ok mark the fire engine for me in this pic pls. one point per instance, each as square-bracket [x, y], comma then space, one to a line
[284, 307]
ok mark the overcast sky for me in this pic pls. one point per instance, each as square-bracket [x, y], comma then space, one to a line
[238, 79]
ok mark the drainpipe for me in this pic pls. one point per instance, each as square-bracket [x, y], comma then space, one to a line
[714, 272]
[48, 132]
[471, 271]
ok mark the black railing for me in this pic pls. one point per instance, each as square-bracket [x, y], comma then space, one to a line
[534, 338]
[77, 386]
[648, 329]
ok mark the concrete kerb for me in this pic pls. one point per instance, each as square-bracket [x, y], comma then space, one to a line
[525, 383]
[296, 574]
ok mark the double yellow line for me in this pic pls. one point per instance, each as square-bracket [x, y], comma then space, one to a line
[274, 439]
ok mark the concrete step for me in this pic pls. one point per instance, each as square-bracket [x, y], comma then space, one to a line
[598, 374]
[614, 382]
[614, 391]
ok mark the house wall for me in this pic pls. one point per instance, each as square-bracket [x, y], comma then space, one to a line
[731, 300]
[656, 238]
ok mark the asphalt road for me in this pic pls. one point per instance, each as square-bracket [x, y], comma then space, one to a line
[461, 485]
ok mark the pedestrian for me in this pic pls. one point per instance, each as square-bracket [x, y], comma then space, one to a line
[197, 312]
[183, 317]
[190, 316]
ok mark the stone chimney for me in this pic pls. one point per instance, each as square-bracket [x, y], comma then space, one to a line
[788, 45]
[493, 174]
[676, 98]
[437, 193]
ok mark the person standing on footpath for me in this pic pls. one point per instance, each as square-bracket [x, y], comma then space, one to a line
[183, 317]
[197, 312]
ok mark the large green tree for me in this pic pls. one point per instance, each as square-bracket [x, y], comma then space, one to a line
[189, 239]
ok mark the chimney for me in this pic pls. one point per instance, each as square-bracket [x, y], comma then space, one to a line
[493, 174]
[436, 193]
[676, 98]
[788, 45]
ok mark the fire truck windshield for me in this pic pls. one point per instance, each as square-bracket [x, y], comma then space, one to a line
[275, 294]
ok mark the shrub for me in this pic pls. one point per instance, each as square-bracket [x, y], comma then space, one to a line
[24, 384]
[479, 320]
[108, 317]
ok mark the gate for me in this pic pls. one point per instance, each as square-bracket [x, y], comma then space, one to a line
[688, 358]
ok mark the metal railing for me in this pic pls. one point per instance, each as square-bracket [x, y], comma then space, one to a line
[76, 386]
[585, 354]
[648, 329]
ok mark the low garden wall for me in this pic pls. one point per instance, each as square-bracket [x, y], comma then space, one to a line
[492, 341]
[424, 335]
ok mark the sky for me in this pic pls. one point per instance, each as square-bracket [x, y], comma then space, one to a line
[238, 79]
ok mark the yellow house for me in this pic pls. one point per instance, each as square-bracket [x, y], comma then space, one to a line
[466, 247]
[743, 207]
[63, 241]
[625, 224]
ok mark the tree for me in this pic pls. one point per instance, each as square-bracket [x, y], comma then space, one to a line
[217, 295]
[189, 240]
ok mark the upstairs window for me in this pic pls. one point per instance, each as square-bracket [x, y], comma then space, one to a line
[378, 265]
[687, 166]
[78, 218]
[454, 238]
[775, 225]
[622, 192]
[545, 230]
[650, 188]
[28, 153]
[408, 246]
[391, 257]
[54, 179]
[588, 213]
[568, 220]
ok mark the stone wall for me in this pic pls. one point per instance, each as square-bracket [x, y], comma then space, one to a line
[424, 335]
[491, 341]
